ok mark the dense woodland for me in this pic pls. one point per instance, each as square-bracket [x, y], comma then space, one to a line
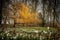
[30, 20]
[32, 12]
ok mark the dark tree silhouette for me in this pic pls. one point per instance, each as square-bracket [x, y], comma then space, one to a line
[4, 4]
[51, 5]
[0, 11]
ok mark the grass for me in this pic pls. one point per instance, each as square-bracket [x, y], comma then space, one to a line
[24, 32]
[29, 29]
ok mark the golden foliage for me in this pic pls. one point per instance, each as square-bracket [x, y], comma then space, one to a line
[25, 16]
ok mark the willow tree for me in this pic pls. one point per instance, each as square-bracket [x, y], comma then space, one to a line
[24, 14]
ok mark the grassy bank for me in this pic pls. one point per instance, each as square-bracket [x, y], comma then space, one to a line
[29, 33]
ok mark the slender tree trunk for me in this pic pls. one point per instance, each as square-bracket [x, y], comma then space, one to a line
[54, 13]
[43, 13]
[0, 12]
